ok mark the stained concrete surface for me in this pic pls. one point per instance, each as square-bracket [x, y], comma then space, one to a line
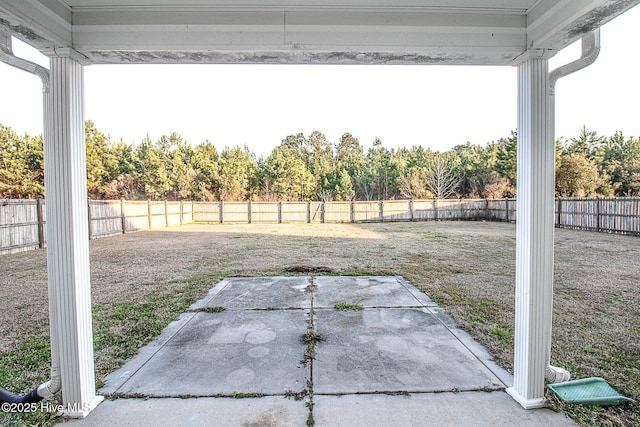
[194, 412]
[384, 350]
[431, 409]
[221, 353]
[368, 291]
[399, 361]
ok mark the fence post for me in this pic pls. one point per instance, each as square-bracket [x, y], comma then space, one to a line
[506, 208]
[149, 212]
[89, 214]
[309, 212]
[559, 211]
[279, 212]
[411, 210]
[166, 213]
[221, 211]
[598, 207]
[381, 211]
[123, 217]
[352, 211]
[486, 209]
[249, 211]
[322, 212]
[435, 209]
[40, 213]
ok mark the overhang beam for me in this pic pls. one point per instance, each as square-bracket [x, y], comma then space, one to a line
[493, 32]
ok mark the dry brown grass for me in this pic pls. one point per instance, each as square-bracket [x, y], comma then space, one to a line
[466, 267]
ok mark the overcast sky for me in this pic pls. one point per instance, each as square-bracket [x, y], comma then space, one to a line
[259, 105]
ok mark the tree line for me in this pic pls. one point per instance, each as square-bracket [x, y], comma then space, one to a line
[312, 168]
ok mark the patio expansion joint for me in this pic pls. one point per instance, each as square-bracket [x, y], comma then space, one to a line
[373, 307]
[310, 353]
[408, 393]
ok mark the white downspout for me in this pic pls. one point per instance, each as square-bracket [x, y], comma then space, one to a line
[590, 52]
[51, 387]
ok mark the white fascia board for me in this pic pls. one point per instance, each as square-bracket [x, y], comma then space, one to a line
[302, 55]
[288, 4]
[40, 23]
[224, 35]
[555, 24]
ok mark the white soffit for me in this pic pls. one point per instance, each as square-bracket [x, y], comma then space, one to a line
[492, 32]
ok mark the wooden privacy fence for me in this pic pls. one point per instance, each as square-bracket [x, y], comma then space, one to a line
[360, 211]
[609, 214]
[23, 222]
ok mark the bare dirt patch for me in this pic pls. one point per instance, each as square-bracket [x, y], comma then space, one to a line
[468, 268]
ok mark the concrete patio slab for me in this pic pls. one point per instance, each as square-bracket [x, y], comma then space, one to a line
[369, 291]
[431, 409]
[244, 293]
[382, 350]
[224, 353]
[400, 361]
[194, 412]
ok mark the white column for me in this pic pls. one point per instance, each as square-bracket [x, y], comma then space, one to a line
[67, 235]
[534, 232]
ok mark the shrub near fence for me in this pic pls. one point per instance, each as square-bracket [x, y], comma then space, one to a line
[22, 222]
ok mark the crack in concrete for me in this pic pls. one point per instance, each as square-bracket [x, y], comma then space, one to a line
[312, 329]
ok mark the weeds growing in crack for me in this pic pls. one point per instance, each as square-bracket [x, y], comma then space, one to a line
[310, 338]
[237, 395]
[396, 393]
[311, 287]
[216, 309]
[344, 306]
[296, 396]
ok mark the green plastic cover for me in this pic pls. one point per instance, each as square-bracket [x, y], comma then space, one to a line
[588, 391]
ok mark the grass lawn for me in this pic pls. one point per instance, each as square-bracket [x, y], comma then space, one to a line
[142, 281]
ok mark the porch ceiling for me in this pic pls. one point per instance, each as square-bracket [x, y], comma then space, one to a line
[492, 32]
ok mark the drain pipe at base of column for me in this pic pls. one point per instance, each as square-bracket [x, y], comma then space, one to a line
[50, 388]
[590, 52]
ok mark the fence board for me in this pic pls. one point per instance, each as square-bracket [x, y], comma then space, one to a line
[264, 213]
[448, 210]
[136, 216]
[106, 218]
[206, 212]
[362, 211]
[397, 210]
[294, 212]
[472, 209]
[316, 212]
[18, 225]
[235, 212]
[187, 212]
[423, 210]
[173, 213]
[337, 211]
